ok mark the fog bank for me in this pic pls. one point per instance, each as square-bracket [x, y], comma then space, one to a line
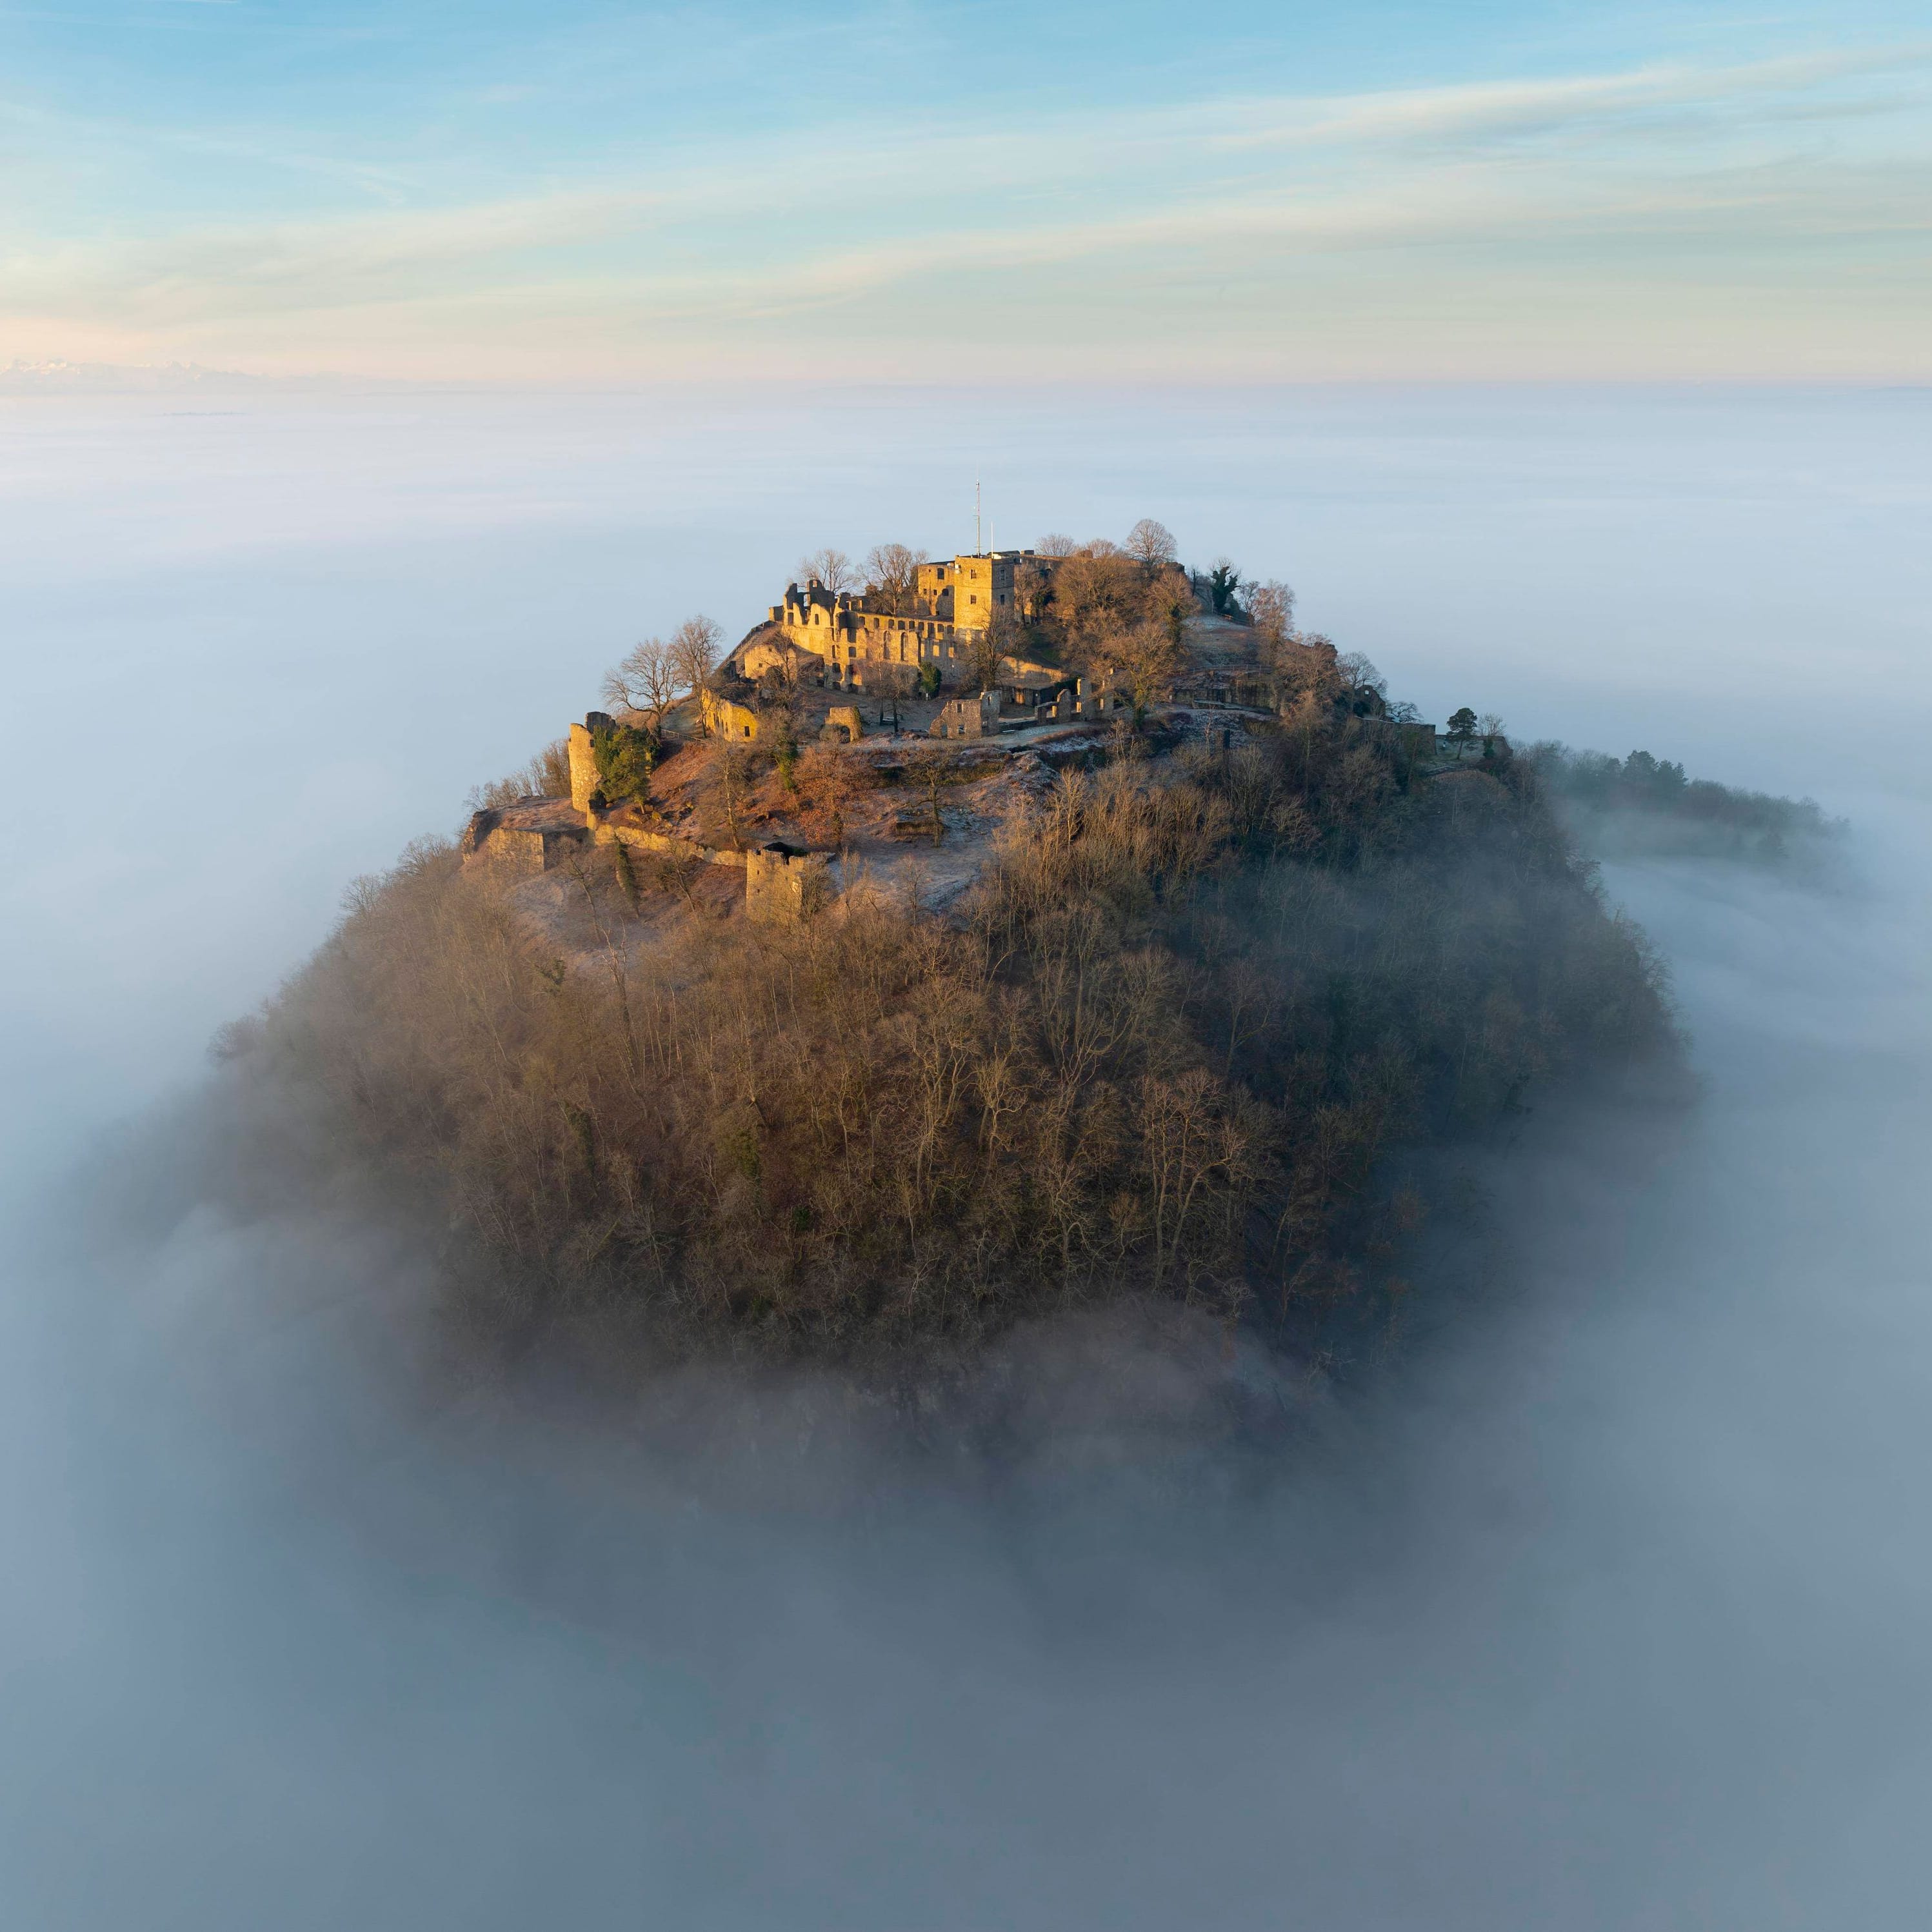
[1607, 1613]
[1606, 1609]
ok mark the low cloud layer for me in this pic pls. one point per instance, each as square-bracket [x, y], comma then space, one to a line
[1607, 1612]
[1603, 1610]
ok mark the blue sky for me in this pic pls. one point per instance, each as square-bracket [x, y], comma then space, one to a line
[1216, 192]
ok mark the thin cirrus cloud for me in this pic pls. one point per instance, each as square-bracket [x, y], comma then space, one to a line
[1482, 111]
[1642, 220]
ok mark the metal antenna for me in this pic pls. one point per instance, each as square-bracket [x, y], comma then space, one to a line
[976, 516]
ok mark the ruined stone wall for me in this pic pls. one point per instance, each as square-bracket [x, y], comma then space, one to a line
[781, 654]
[968, 717]
[583, 768]
[847, 636]
[724, 719]
[609, 832]
[520, 851]
[584, 757]
[934, 588]
[783, 887]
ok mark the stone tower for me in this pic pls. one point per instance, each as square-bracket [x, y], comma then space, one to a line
[584, 757]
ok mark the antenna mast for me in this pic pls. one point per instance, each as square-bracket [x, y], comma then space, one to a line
[976, 516]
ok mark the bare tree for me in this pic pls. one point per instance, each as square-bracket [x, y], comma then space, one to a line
[1148, 657]
[1359, 675]
[730, 798]
[832, 568]
[1032, 585]
[891, 577]
[1096, 591]
[1170, 603]
[647, 679]
[547, 776]
[927, 769]
[1055, 545]
[1150, 545]
[830, 782]
[1271, 611]
[694, 652]
[986, 651]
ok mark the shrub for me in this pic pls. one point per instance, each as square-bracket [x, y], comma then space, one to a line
[626, 756]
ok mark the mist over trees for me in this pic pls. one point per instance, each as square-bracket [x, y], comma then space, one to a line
[1164, 1049]
[1641, 803]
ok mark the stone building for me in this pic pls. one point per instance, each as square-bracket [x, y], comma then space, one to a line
[967, 717]
[845, 637]
[1022, 700]
[970, 592]
[956, 598]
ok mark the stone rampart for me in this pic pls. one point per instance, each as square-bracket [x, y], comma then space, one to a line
[619, 828]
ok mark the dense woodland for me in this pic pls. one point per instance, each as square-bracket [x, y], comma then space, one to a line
[1166, 1047]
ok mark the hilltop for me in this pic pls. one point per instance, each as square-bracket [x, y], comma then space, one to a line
[855, 1004]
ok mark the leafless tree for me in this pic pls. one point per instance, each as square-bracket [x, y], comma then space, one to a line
[547, 776]
[927, 769]
[1054, 543]
[1170, 603]
[1097, 591]
[730, 793]
[830, 782]
[891, 577]
[1271, 611]
[694, 652]
[647, 679]
[832, 568]
[987, 651]
[1358, 674]
[1150, 545]
[1148, 657]
[1031, 584]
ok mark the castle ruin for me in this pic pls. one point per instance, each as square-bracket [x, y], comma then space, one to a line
[845, 632]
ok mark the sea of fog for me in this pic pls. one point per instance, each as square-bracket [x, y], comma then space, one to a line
[1608, 1610]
